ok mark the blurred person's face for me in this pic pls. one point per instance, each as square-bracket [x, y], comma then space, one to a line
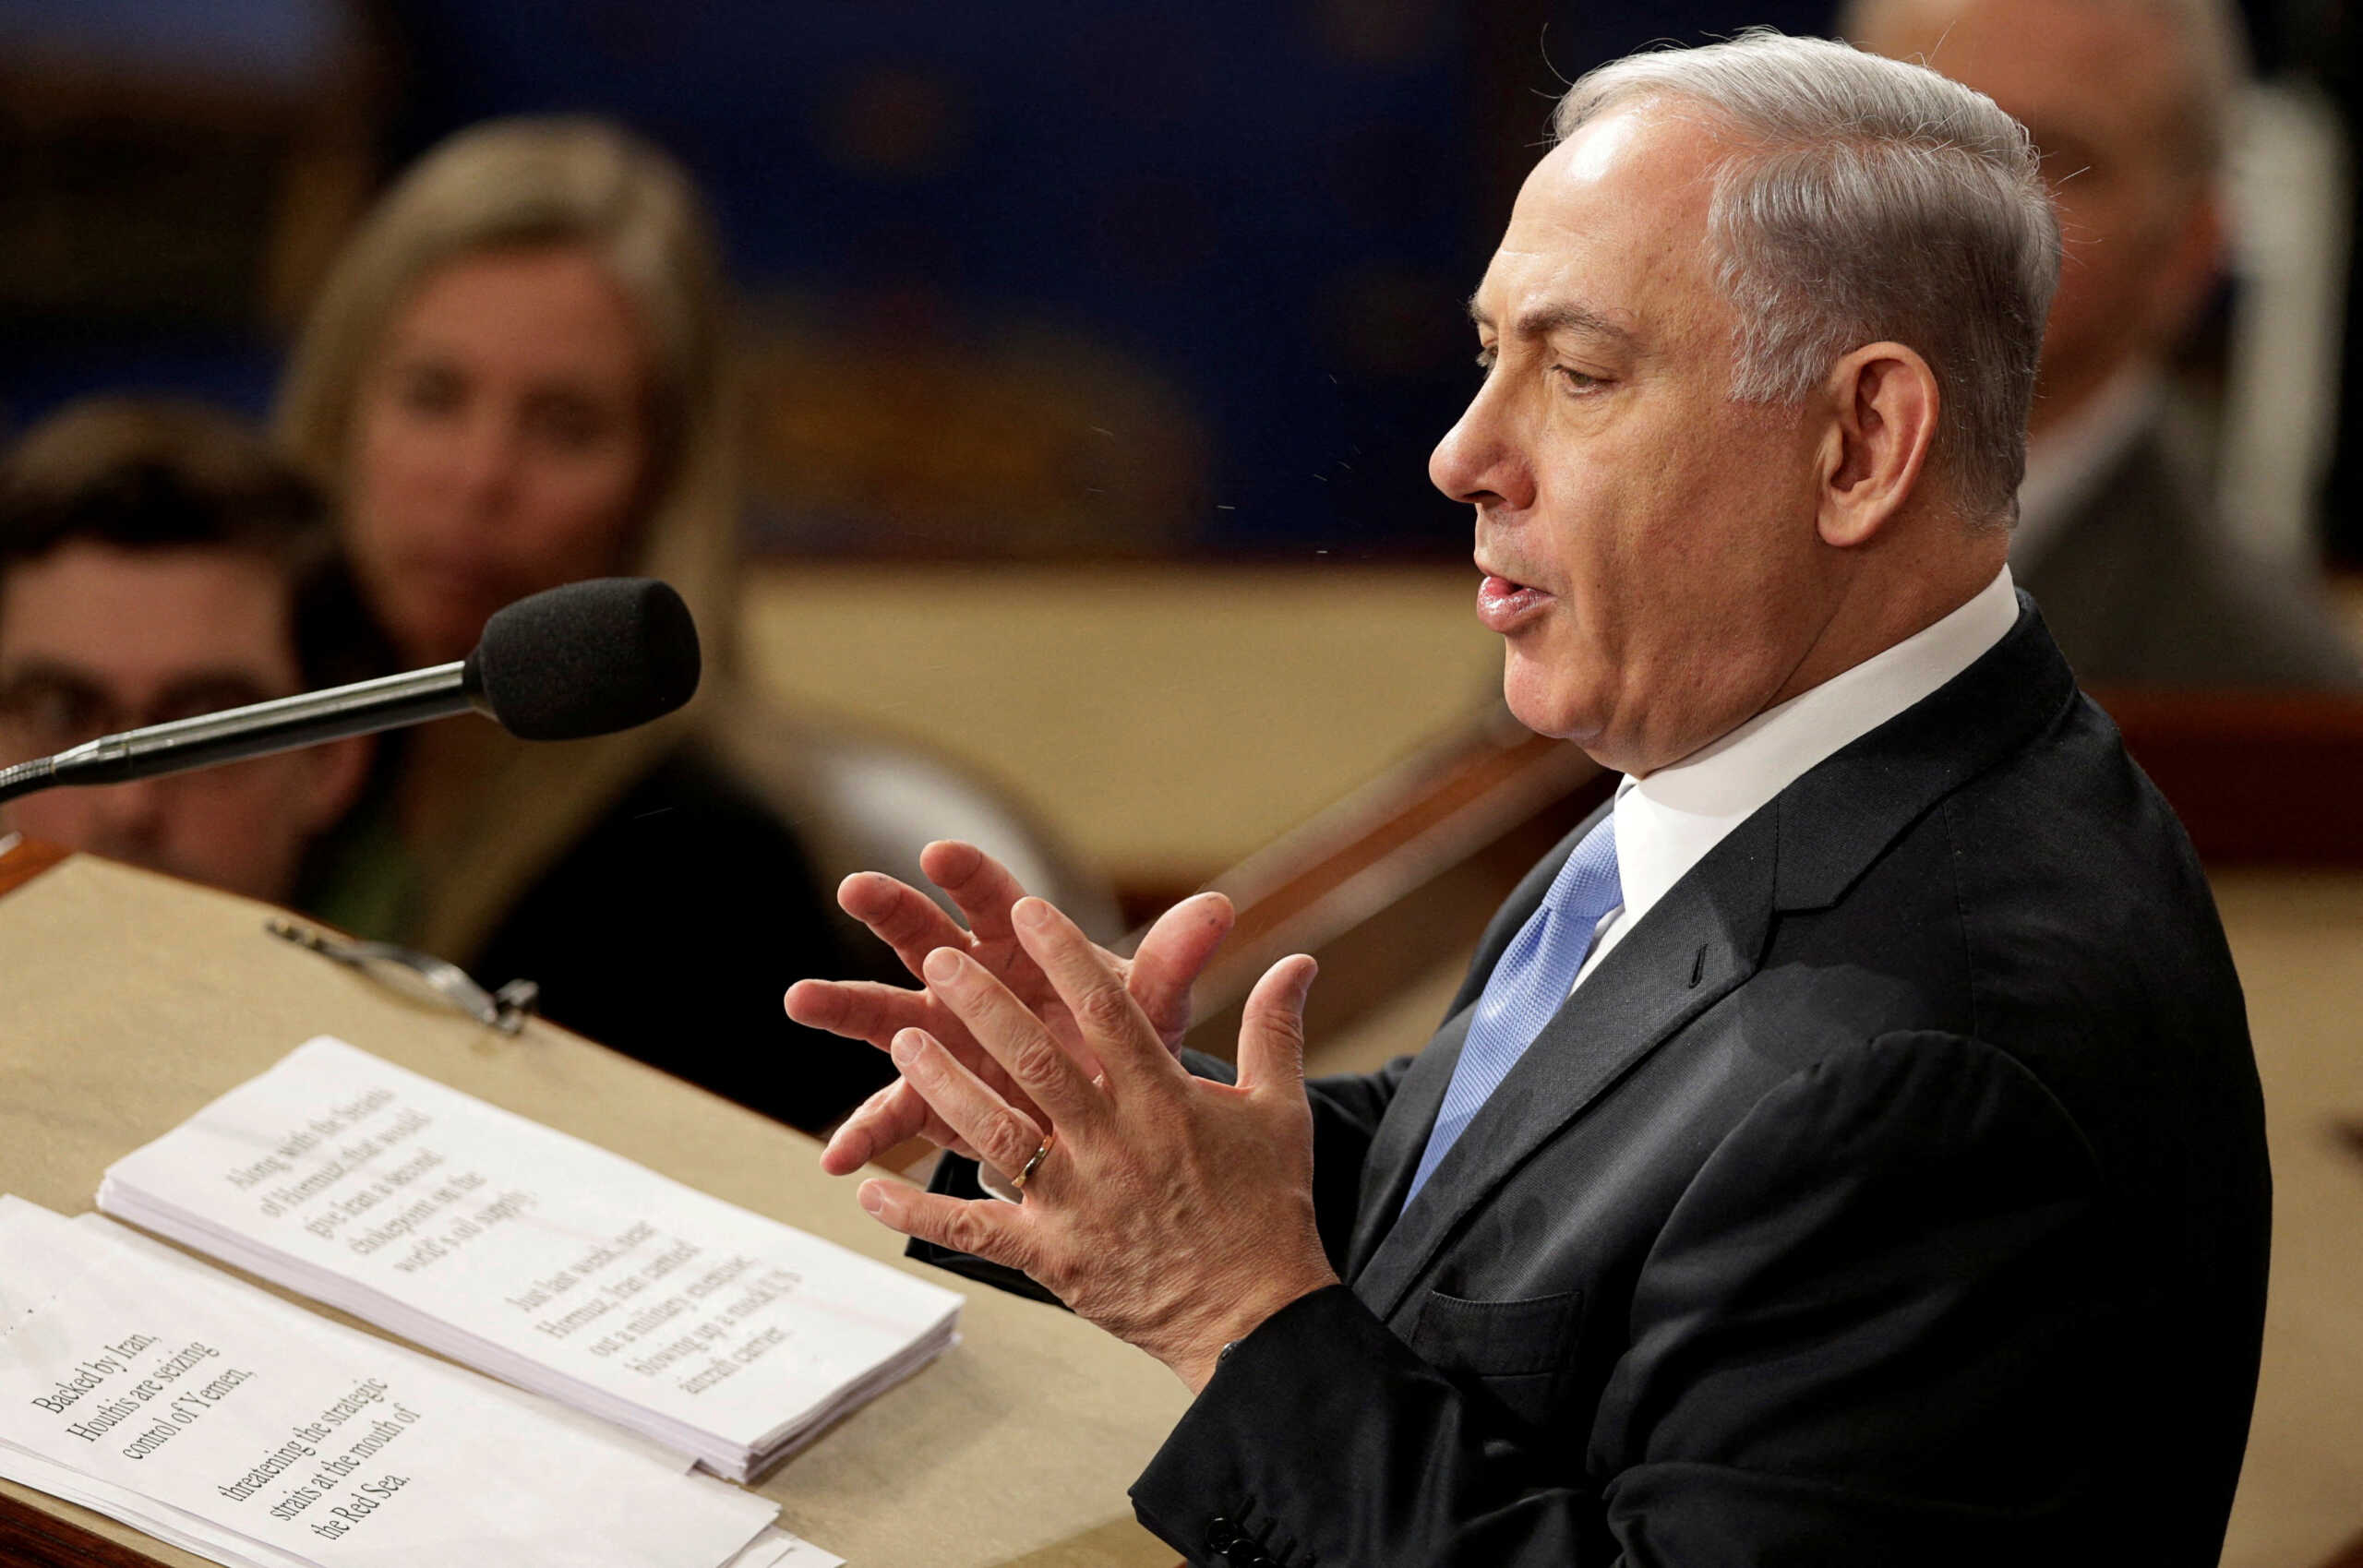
[95, 640]
[2098, 85]
[501, 446]
[1649, 545]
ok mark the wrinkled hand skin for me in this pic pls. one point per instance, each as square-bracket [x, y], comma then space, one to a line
[1159, 976]
[1172, 1211]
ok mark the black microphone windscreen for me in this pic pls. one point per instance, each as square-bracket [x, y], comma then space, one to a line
[587, 659]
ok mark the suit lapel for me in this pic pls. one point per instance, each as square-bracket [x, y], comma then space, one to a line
[1402, 1135]
[1702, 939]
[1403, 1131]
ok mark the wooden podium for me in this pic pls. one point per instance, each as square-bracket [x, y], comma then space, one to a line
[128, 1001]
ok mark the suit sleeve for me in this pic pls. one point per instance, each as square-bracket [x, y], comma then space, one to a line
[1863, 1336]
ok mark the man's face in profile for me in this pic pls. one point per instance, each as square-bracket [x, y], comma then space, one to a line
[1649, 543]
[95, 640]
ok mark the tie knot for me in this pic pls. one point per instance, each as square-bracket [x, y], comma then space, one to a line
[1587, 886]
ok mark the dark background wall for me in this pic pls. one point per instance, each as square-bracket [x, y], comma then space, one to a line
[1039, 276]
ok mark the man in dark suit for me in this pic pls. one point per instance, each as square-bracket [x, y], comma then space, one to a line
[2132, 102]
[1846, 1150]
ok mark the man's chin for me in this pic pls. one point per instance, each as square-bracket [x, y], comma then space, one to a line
[1547, 707]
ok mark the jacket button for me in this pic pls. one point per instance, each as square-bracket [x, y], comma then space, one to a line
[1221, 1535]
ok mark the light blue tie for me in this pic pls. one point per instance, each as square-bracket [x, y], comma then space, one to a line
[1530, 983]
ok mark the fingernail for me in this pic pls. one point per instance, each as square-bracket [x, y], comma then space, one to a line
[874, 1197]
[1031, 913]
[905, 1048]
[942, 966]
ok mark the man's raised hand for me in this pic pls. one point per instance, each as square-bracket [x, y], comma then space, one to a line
[1158, 977]
[1174, 1212]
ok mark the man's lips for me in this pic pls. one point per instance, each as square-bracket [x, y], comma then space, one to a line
[1504, 606]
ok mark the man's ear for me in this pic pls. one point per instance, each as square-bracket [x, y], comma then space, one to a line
[2189, 260]
[339, 770]
[1883, 403]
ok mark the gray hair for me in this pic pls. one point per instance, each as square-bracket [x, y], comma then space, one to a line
[1868, 201]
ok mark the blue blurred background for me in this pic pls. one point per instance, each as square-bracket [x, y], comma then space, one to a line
[1034, 277]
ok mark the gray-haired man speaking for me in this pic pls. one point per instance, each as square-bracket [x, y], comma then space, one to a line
[1846, 1148]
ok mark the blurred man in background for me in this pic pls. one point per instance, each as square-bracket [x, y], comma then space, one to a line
[155, 559]
[2133, 103]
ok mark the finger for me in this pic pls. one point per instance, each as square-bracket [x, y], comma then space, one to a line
[860, 1010]
[984, 1226]
[864, 1010]
[1010, 1032]
[895, 1114]
[1004, 1137]
[1172, 954]
[854, 1143]
[1271, 1029]
[900, 916]
[980, 885]
[1128, 1046]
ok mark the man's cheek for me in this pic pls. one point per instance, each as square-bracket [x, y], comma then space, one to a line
[55, 818]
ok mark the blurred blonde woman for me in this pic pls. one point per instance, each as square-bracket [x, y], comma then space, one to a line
[515, 377]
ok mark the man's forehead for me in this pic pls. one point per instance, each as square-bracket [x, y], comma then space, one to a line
[152, 612]
[1606, 224]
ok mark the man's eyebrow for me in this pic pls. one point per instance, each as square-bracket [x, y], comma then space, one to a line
[1545, 321]
[36, 672]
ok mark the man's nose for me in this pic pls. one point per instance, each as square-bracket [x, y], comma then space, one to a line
[1479, 461]
[130, 815]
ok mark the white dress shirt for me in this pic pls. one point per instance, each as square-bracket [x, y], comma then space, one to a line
[1667, 820]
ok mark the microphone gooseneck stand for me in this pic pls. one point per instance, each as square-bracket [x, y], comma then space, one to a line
[282, 724]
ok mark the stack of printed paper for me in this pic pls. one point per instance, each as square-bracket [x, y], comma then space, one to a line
[534, 1256]
[211, 1414]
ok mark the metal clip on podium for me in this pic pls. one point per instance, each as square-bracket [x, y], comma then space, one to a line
[506, 1008]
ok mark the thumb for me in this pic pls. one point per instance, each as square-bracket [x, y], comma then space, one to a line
[1271, 1030]
[1172, 954]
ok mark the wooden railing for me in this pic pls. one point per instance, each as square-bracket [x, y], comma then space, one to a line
[1413, 863]
[2260, 778]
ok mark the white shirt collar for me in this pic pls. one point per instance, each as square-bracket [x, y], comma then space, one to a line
[2075, 454]
[1667, 822]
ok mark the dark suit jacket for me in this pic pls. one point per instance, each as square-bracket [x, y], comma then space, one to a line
[2139, 590]
[673, 927]
[1893, 1195]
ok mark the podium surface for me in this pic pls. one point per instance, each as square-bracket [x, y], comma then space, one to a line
[129, 1001]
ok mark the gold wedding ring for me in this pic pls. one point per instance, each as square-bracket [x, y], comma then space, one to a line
[1019, 1180]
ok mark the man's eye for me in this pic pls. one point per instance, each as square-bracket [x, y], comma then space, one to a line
[1576, 381]
[1485, 358]
[567, 427]
[54, 716]
[428, 391]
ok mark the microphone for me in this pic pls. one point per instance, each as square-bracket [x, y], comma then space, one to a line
[586, 659]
